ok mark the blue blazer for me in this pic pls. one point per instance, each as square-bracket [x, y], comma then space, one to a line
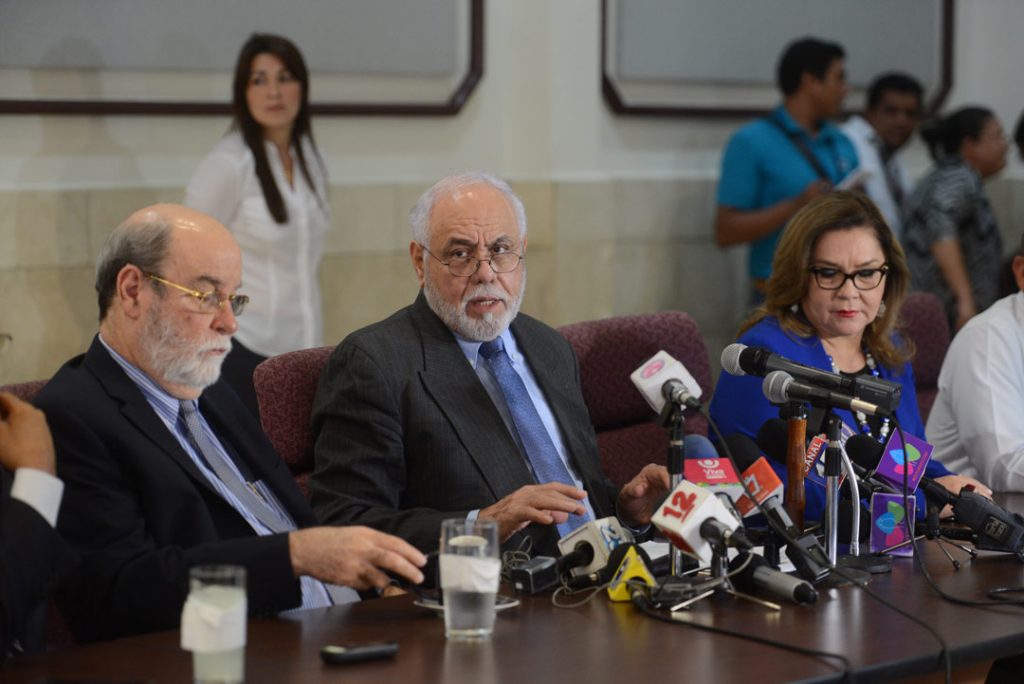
[739, 405]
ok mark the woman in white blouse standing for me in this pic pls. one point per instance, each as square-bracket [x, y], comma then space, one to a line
[266, 182]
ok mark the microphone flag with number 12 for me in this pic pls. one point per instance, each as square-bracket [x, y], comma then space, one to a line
[680, 516]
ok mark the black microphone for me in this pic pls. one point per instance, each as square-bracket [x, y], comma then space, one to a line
[772, 439]
[679, 394]
[717, 533]
[780, 387]
[582, 555]
[807, 555]
[844, 525]
[739, 359]
[758, 574]
[994, 528]
[865, 451]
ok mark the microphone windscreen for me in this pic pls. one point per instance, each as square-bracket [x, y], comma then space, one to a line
[744, 451]
[845, 521]
[699, 446]
[772, 439]
[731, 359]
[864, 450]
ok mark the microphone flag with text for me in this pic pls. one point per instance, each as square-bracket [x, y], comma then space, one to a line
[705, 467]
[662, 378]
[694, 520]
[992, 527]
[587, 548]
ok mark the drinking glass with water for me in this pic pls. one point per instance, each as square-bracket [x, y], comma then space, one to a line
[213, 624]
[470, 571]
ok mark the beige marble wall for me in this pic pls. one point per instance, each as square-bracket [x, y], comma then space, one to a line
[596, 249]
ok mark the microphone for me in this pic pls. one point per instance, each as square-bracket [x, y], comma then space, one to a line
[633, 568]
[807, 555]
[780, 387]
[864, 451]
[845, 521]
[704, 466]
[587, 548]
[662, 379]
[758, 574]
[694, 520]
[994, 528]
[757, 474]
[739, 359]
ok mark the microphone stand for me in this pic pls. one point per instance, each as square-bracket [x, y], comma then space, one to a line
[720, 586]
[833, 468]
[794, 498]
[933, 532]
[855, 567]
[672, 418]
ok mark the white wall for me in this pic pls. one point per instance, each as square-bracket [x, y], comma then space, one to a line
[537, 114]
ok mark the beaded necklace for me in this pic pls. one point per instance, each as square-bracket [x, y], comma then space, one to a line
[862, 419]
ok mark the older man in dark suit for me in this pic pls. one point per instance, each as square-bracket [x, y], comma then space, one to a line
[458, 407]
[31, 553]
[164, 466]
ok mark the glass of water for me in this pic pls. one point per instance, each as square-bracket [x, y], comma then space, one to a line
[470, 571]
[213, 624]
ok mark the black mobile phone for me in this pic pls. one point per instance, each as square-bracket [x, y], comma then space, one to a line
[354, 653]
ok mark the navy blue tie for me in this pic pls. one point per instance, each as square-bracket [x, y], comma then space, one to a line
[540, 449]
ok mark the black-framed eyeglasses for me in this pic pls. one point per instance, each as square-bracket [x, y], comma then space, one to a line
[463, 266]
[208, 302]
[833, 279]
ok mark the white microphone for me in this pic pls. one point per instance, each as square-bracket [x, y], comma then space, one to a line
[663, 378]
[587, 548]
[692, 518]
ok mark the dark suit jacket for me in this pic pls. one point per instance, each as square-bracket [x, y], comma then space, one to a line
[406, 434]
[140, 513]
[31, 554]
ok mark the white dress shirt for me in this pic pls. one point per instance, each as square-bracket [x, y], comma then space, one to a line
[42, 491]
[867, 143]
[279, 261]
[977, 422]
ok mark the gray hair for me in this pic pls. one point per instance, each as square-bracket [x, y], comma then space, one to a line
[143, 244]
[419, 217]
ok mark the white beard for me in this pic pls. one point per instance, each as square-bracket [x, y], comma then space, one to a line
[176, 359]
[476, 329]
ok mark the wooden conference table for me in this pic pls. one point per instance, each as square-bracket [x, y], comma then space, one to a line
[607, 642]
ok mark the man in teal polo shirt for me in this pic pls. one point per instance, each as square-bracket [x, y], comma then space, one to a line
[774, 166]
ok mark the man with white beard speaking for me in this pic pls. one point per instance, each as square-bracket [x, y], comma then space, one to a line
[164, 468]
[459, 406]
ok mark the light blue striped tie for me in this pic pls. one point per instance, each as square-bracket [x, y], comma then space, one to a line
[547, 464]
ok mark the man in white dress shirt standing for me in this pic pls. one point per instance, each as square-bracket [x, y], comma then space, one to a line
[890, 119]
[976, 424]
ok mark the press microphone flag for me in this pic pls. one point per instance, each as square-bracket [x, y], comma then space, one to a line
[588, 547]
[682, 517]
[663, 378]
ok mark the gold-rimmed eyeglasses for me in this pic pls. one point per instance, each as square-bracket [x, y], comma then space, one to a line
[208, 302]
[465, 265]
